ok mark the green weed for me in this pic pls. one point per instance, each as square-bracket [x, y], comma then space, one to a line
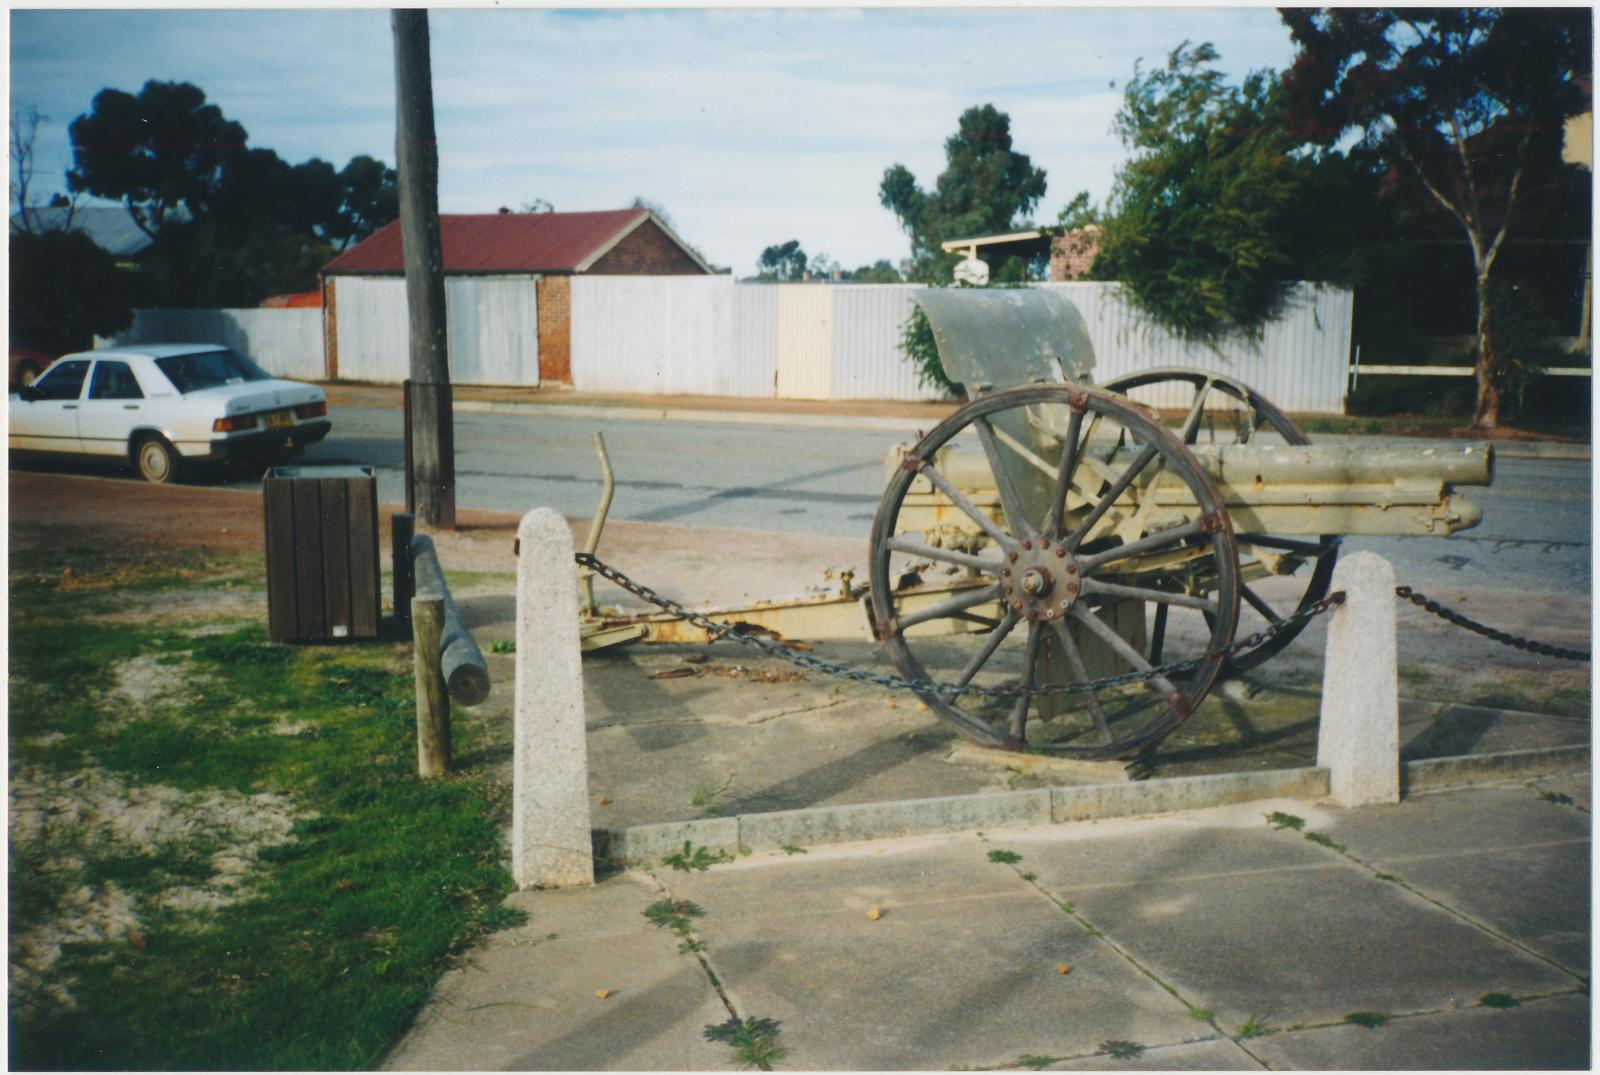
[754, 1041]
[1370, 1020]
[1033, 1061]
[673, 914]
[1325, 840]
[1003, 856]
[503, 645]
[1560, 798]
[1029, 875]
[1122, 1050]
[695, 858]
[1251, 1029]
[1279, 820]
[1200, 1015]
[791, 849]
[1498, 1000]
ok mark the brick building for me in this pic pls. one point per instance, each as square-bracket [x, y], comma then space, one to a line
[512, 254]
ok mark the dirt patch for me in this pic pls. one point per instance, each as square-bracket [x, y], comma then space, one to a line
[96, 809]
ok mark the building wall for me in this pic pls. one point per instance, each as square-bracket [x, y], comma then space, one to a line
[646, 250]
[555, 330]
[1072, 254]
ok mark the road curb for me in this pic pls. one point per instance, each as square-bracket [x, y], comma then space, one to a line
[1045, 806]
[1504, 449]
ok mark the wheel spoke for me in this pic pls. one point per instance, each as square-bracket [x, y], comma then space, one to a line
[1110, 496]
[1255, 602]
[1019, 712]
[1131, 656]
[1159, 540]
[990, 643]
[1190, 431]
[1079, 669]
[1140, 593]
[959, 603]
[1158, 634]
[1009, 500]
[913, 547]
[1069, 463]
[954, 496]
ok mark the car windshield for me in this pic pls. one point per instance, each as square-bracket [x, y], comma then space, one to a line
[208, 369]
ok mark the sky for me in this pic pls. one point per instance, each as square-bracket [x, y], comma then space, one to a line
[749, 126]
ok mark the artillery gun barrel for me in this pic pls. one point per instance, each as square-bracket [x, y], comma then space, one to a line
[1392, 490]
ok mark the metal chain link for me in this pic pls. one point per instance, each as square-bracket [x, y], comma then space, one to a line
[945, 690]
[1451, 616]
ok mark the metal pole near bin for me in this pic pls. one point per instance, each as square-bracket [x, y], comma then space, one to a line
[322, 553]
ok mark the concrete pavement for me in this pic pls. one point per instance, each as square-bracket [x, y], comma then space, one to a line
[1457, 921]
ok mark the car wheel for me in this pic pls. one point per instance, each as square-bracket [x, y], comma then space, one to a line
[157, 461]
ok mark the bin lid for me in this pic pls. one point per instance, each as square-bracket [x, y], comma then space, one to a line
[333, 472]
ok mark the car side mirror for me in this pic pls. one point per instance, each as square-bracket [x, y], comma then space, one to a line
[31, 393]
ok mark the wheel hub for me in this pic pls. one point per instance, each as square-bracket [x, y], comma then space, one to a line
[1040, 579]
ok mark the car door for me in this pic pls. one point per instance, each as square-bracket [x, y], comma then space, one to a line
[111, 410]
[45, 417]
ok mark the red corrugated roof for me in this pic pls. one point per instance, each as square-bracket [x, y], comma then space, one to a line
[496, 242]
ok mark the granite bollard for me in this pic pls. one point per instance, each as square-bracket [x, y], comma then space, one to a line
[1358, 741]
[550, 841]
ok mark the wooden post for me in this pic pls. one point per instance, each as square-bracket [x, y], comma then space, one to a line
[433, 704]
[401, 529]
[417, 161]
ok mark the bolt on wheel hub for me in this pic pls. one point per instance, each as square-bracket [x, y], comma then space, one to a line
[1040, 580]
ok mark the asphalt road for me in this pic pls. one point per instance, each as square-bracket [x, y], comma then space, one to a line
[1535, 537]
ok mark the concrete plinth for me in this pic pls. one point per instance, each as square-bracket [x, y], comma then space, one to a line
[1358, 741]
[550, 842]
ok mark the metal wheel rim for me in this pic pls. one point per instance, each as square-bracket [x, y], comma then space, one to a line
[1323, 563]
[154, 463]
[1185, 698]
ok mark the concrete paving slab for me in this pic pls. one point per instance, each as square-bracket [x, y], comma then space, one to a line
[528, 999]
[1548, 1033]
[1218, 1055]
[960, 969]
[1505, 857]
[1252, 922]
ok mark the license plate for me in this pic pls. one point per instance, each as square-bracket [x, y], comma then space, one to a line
[278, 419]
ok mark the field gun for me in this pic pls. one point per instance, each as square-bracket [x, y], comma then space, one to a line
[1063, 570]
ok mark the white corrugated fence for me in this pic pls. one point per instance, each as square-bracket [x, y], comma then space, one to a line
[707, 335]
[284, 342]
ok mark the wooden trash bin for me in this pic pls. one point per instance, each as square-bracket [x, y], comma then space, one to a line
[322, 553]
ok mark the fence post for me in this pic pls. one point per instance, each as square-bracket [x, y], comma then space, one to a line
[433, 703]
[402, 527]
[550, 841]
[1358, 741]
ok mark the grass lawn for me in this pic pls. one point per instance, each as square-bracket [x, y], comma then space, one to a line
[221, 855]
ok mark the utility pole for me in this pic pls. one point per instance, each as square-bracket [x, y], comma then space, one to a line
[433, 477]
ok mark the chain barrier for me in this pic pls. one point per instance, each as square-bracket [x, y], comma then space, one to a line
[1451, 616]
[945, 690]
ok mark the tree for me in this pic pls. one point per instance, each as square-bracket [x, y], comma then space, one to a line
[155, 151]
[369, 198]
[782, 262]
[65, 290]
[879, 272]
[986, 187]
[1465, 104]
[1200, 219]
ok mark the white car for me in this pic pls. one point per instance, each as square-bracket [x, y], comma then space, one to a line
[161, 406]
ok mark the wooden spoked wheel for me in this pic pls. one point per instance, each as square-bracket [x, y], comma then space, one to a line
[1086, 544]
[1310, 559]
